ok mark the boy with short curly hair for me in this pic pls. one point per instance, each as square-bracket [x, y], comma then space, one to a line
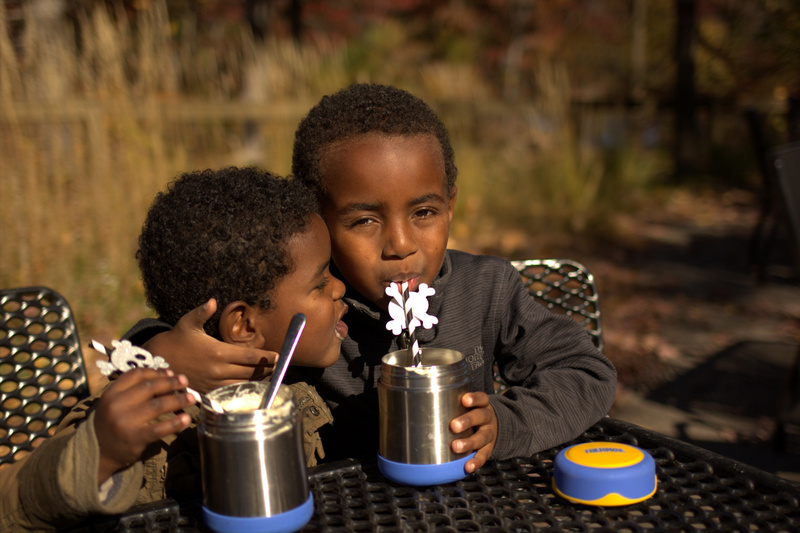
[222, 234]
[384, 170]
[254, 246]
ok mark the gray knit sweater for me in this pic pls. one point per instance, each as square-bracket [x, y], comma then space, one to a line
[560, 383]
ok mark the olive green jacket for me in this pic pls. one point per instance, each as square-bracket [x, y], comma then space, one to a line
[55, 487]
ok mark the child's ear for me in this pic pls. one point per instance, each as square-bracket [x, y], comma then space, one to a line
[451, 203]
[238, 325]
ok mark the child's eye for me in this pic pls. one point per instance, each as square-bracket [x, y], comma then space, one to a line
[323, 283]
[362, 222]
[424, 212]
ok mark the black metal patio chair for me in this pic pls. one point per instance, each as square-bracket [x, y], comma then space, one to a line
[42, 372]
[565, 287]
[785, 161]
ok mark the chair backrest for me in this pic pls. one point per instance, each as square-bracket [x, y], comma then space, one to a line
[565, 287]
[42, 373]
[786, 163]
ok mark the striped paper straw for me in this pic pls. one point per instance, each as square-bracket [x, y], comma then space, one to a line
[413, 343]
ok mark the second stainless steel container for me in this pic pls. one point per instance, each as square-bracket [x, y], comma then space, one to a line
[253, 463]
[417, 404]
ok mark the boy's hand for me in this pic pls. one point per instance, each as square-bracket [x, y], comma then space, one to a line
[481, 416]
[206, 361]
[125, 421]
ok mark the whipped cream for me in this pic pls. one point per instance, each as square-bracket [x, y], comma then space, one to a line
[247, 402]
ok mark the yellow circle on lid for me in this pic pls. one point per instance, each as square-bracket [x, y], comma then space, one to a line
[604, 455]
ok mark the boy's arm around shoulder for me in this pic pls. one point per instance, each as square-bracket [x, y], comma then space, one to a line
[560, 383]
[223, 363]
[56, 485]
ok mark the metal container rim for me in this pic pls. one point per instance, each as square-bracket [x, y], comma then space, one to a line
[245, 420]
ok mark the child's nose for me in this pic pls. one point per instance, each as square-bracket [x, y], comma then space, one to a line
[399, 241]
[338, 288]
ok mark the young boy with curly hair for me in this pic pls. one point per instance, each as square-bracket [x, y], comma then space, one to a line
[253, 244]
[384, 171]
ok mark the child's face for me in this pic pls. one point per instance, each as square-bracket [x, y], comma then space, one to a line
[388, 211]
[312, 290]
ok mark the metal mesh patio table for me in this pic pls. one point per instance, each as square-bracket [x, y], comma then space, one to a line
[698, 490]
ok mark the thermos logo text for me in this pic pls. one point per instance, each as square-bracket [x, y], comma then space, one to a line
[600, 450]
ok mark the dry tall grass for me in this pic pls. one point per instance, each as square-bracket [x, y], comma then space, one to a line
[91, 133]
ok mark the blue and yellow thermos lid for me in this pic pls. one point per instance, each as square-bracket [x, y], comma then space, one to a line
[604, 473]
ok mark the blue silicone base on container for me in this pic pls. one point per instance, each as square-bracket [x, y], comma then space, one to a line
[285, 522]
[423, 475]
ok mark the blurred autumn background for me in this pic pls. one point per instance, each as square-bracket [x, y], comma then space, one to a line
[611, 132]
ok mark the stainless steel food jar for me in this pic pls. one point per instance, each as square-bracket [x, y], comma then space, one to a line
[253, 464]
[416, 406]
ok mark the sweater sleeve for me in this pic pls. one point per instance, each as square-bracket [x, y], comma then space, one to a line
[56, 485]
[560, 383]
[144, 330]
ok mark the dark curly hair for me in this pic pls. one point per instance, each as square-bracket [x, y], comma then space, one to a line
[358, 110]
[220, 234]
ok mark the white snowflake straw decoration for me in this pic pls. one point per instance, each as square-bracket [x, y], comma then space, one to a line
[125, 356]
[409, 310]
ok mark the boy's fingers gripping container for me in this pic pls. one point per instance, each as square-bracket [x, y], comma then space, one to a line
[416, 406]
[253, 464]
[604, 473]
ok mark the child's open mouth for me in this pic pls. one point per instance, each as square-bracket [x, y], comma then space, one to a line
[341, 328]
[413, 281]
